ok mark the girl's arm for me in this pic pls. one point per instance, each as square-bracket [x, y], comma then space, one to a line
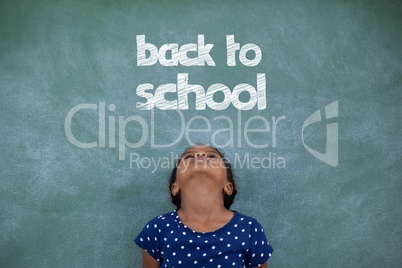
[149, 262]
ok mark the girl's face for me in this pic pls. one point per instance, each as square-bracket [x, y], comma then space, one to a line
[201, 165]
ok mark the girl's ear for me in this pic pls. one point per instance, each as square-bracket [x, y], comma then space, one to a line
[228, 189]
[175, 189]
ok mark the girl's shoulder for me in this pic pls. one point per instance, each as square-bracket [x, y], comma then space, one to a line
[166, 219]
[246, 222]
[245, 218]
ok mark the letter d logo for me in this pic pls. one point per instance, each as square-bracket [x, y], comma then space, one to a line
[331, 152]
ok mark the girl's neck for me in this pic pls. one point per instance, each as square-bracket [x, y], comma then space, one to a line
[204, 214]
[202, 202]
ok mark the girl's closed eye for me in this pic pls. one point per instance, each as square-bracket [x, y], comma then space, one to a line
[188, 156]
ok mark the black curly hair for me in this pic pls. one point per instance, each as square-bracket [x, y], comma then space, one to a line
[227, 199]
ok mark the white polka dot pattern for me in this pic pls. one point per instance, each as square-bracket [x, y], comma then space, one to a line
[240, 243]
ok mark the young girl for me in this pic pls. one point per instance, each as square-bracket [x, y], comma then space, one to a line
[202, 231]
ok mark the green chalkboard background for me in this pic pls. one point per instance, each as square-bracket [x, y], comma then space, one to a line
[65, 206]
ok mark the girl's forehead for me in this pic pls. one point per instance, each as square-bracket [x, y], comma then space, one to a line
[199, 148]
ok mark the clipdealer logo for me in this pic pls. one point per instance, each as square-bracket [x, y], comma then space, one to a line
[242, 130]
[114, 132]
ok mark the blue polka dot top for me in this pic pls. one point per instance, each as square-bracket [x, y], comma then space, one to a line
[240, 243]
